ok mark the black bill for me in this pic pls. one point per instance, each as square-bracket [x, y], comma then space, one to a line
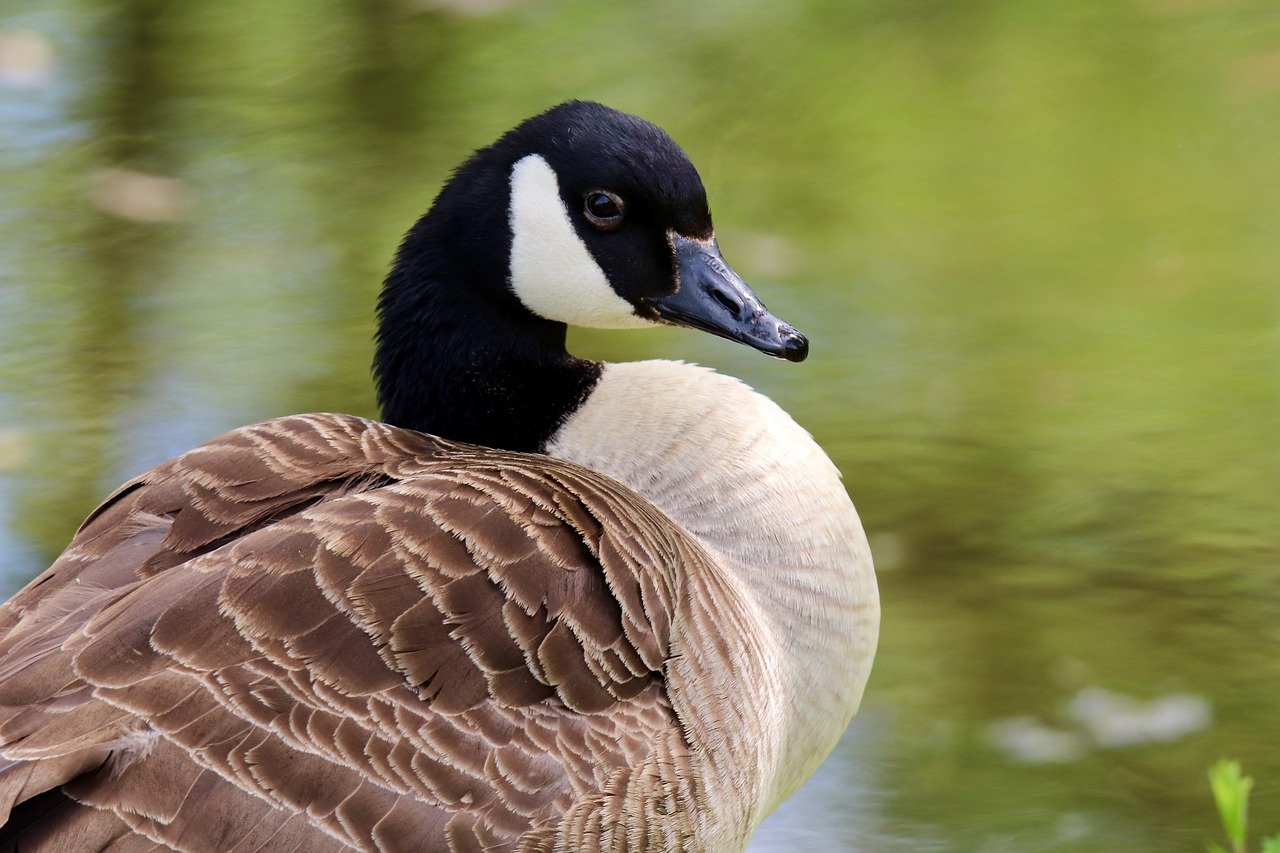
[713, 298]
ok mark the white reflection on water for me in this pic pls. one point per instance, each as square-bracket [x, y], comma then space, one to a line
[1116, 720]
[1104, 719]
[1028, 740]
[26, 59]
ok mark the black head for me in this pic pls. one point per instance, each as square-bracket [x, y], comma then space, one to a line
[581, 215]
[623, 185]
[593, 217]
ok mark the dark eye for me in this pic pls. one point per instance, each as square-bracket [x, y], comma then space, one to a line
[603, 209]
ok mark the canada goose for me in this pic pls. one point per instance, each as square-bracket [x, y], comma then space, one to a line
[548, 604]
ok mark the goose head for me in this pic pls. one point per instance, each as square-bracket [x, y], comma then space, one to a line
[581, 215]
[610, 228]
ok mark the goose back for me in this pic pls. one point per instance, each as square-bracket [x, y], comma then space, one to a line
[347, 653]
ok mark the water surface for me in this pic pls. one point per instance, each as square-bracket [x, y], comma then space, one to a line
[1035, 247]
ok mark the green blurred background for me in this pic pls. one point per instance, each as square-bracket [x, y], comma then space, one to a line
[1035, 246]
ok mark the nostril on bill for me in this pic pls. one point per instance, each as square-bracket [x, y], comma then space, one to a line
[729, 301]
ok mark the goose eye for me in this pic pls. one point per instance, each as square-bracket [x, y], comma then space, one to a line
[603, 209]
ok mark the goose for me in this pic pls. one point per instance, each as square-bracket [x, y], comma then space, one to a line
[545, 604]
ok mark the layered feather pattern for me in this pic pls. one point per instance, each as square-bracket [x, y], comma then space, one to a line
[323, 632]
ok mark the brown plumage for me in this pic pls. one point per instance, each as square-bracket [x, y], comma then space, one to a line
[299, 636]
[323, 632]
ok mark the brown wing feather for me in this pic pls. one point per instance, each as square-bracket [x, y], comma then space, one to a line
[324, 632]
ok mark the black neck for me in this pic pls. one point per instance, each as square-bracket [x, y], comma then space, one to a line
[458, 356]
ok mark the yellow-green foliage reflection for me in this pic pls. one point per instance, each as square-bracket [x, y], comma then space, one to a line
[1035, 246]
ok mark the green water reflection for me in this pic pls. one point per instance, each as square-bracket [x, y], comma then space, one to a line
[1035, 246]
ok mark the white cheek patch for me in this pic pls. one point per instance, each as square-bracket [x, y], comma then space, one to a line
[552, 271]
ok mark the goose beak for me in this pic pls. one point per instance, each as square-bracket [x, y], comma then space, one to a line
[712, 297]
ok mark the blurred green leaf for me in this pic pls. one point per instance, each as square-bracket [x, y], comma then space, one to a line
[1231, 792]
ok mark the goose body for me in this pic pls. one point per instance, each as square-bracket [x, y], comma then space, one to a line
[545, 604]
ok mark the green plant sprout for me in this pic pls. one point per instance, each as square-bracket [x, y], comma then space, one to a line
[1231, 793]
